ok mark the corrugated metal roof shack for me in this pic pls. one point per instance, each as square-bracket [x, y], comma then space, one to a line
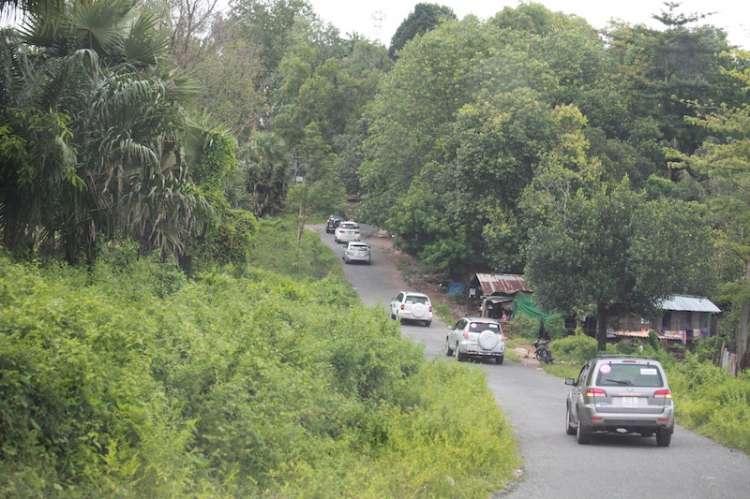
[684, 318]
[687, 316]
[492, 294]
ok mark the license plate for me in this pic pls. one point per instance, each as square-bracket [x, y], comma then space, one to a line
[630, 401]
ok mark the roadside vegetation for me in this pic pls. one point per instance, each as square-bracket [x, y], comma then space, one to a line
[128, 379]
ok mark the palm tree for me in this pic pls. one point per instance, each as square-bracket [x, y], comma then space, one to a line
[268, 173]
[102, 67]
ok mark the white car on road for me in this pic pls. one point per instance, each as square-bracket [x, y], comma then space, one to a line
[346, 231]
[409, 305]
[476, 337]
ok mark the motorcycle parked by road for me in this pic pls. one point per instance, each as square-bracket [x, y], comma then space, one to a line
[542, 351]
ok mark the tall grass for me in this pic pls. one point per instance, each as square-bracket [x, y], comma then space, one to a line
[127, 379]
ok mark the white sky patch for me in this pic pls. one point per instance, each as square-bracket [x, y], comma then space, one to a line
[379, 19]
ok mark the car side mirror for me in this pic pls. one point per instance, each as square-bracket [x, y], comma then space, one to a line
[570, 381]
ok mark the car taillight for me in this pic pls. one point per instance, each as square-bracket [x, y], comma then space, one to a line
[356, 232]
[466, 335]
[662, 394]
[430, 308]
[502, 336]
[402, 306]
[595, 392]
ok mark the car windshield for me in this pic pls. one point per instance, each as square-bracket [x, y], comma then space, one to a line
[416, 299]
[628, 375]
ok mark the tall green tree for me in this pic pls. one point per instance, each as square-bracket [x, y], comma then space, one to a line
[610, 252]
[99, 68]
[414, 108]
[268, 177]
[664, 68]
[424, 17]
[724, 160]
[277, 26]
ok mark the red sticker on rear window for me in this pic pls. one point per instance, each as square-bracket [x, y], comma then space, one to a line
[605, 368]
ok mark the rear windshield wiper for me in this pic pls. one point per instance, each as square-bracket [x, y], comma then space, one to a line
[618, 381]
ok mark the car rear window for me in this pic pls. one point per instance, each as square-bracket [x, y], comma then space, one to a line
[348, 225]
[483, 326]
[416, 299]
[642, 375]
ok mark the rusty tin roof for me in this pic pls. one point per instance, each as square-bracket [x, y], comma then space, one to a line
[508, 284]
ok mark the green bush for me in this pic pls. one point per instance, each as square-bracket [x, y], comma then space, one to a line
[576, 349]
[521, 326]
[444, 312]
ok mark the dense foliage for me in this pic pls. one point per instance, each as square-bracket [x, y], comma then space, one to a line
[129, 379]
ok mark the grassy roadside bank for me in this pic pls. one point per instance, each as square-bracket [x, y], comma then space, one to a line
[127, 379]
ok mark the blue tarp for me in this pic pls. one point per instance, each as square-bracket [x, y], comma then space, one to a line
[456, 288]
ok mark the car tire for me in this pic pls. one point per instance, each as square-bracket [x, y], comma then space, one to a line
[569, 428]
[499, 360]
[459, 356]
[582, 436]
[427, 323]
[663, 439]
[448, 349]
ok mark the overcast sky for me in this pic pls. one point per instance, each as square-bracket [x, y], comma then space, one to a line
[379, 19]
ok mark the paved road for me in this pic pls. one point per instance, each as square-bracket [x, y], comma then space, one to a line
[556, 466]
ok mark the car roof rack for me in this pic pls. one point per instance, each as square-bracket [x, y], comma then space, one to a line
[624, 356]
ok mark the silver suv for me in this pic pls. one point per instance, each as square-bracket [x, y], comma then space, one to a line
[476, 337]
[620, 394]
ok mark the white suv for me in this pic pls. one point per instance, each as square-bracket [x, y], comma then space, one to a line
[408, 305]
[476, 337]
[346, 231]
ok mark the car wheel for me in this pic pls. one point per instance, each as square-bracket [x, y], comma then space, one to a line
[459, 356]
[427, 323]
[393, 316]
[448, 349]
[582, 437]
[569, 428]
[663, 439]
[499, 360]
